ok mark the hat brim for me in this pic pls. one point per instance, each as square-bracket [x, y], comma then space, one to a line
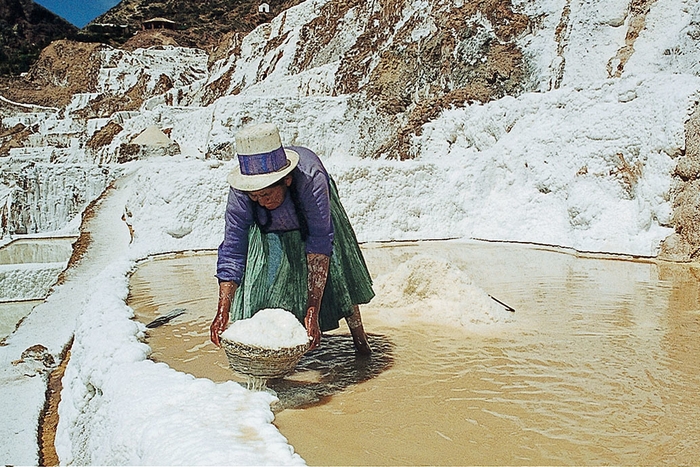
[243, 182]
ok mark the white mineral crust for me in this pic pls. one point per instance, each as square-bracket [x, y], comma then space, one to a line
[272, 328]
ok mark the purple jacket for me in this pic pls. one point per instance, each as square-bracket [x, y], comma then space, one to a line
[312, 184]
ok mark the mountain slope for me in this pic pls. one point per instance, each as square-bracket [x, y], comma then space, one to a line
[198, 24]
[25, 29]
[520, 111]
[408, 60]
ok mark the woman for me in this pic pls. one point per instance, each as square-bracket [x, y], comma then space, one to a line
[288, 242]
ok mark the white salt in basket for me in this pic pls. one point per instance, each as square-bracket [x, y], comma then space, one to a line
[268, 345]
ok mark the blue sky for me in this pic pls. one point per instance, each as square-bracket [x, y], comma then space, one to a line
[78, 12]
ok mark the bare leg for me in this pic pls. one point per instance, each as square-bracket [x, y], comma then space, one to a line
[359, 337]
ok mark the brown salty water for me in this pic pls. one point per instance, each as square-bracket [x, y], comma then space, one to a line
[600, 363]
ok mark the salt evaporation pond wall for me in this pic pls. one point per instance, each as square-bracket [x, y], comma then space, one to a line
[598, 365]
[28, 268]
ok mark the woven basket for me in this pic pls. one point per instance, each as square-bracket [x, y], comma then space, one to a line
[260, 361]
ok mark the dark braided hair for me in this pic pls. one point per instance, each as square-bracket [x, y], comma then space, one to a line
[303, 224]
[263, 225]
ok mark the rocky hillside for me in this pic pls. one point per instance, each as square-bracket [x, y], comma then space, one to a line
[63, 68]
[553, 95]
[25, 29]
[406, 67]
[197, 24]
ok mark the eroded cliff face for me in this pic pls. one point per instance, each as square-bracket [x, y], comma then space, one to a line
[400, 60]
[44, 196]
[115, 79]
[684, 244]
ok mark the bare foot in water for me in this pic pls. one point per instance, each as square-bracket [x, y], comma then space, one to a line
[359, 338]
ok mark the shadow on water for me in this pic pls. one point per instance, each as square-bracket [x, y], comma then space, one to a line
[330, 369]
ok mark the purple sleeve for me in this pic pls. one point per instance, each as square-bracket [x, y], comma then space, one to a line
[314, 194]
[234, 249]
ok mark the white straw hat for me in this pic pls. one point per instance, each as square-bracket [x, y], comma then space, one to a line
[262, 160]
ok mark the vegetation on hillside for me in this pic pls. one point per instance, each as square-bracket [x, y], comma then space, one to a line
[25, 29]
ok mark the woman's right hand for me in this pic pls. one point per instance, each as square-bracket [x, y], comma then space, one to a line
[226, 292]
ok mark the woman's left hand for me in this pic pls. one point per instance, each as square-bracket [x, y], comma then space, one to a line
[317, 265]
[312, 327]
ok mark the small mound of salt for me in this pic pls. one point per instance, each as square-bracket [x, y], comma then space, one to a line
[271, 328]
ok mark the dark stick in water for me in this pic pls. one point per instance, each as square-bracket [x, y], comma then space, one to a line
[161, 320]
[511, 309]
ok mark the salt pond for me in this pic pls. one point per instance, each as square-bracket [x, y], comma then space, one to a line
[598, 365]
[28, 267]
[12, 313]
[37, 250]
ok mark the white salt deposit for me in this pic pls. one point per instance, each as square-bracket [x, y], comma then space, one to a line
[271, 328]
[434, 291]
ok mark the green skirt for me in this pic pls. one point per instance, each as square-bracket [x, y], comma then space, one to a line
[276, 274]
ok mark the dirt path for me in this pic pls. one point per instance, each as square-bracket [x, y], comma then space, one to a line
[48, 421]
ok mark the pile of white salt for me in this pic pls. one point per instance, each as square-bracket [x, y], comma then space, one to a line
[271, 328]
